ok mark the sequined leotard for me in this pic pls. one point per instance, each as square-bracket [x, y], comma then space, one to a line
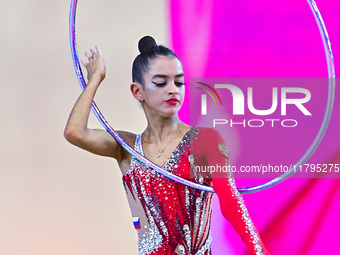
[178, 217]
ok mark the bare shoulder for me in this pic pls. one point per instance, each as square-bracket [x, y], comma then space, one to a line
[125, 160]
[128, 137]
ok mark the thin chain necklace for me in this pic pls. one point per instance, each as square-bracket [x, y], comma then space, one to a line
[161, 151]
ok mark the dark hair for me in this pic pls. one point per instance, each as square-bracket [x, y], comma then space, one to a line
[149, 50]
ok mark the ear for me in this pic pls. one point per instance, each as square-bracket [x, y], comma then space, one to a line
[137, 91]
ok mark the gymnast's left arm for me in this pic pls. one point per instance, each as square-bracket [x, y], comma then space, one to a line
[231, 201]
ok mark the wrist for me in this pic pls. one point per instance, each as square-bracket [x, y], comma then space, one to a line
[96, 78]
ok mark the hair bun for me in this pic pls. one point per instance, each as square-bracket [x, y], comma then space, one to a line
[146, 43]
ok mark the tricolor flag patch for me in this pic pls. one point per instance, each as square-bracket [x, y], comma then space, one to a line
[136, 222]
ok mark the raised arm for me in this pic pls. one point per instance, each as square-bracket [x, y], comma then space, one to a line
[231, 201]
[76, 131]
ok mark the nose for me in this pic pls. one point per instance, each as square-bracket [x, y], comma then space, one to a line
[172, 89]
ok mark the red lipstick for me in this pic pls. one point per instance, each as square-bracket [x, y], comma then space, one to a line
[172, 101]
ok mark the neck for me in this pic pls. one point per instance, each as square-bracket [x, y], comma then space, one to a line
[159, 130]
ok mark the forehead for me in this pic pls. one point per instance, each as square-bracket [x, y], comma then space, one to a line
[165, 65]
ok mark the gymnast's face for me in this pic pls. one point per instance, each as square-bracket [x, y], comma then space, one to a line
[163, 90]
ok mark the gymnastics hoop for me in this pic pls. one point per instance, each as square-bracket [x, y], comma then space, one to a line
[252, 189]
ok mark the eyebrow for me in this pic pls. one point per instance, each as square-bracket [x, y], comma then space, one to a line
[165, 76]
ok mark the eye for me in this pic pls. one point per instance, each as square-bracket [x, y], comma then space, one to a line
[159, 84]
[179, 83]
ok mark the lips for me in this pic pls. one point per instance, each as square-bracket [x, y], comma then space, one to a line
[173, 100]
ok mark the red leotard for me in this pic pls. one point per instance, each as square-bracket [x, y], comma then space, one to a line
[179, 217]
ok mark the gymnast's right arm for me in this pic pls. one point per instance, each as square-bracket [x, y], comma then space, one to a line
[76, 131]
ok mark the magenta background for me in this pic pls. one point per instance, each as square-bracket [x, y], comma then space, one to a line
[249, 39]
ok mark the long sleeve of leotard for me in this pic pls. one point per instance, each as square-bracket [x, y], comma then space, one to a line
[212, 147]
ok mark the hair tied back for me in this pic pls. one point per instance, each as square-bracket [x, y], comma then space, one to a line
[146, 43]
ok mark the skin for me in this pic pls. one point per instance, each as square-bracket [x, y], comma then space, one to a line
[163, 80]
[164, 129]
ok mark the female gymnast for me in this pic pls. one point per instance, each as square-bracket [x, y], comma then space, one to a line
[170, 218]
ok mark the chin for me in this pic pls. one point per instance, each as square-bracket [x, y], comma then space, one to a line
[171, 113]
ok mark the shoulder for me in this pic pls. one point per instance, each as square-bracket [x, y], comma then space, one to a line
[128, 137]
[208, 140]
[204, 134]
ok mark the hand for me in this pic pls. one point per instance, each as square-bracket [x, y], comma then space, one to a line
[95, 65]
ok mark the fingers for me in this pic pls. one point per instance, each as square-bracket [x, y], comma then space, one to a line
[99, 51]
[83, 63]
[94, 53]
[90, 56]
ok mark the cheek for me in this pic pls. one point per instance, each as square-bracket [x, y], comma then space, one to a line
[154, 94]
[182, 91]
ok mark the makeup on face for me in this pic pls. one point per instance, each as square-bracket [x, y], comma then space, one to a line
[163, 80]
[172, 101]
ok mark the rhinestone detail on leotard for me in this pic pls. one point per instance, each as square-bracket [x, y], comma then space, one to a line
[175, 212]
[178, 216]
